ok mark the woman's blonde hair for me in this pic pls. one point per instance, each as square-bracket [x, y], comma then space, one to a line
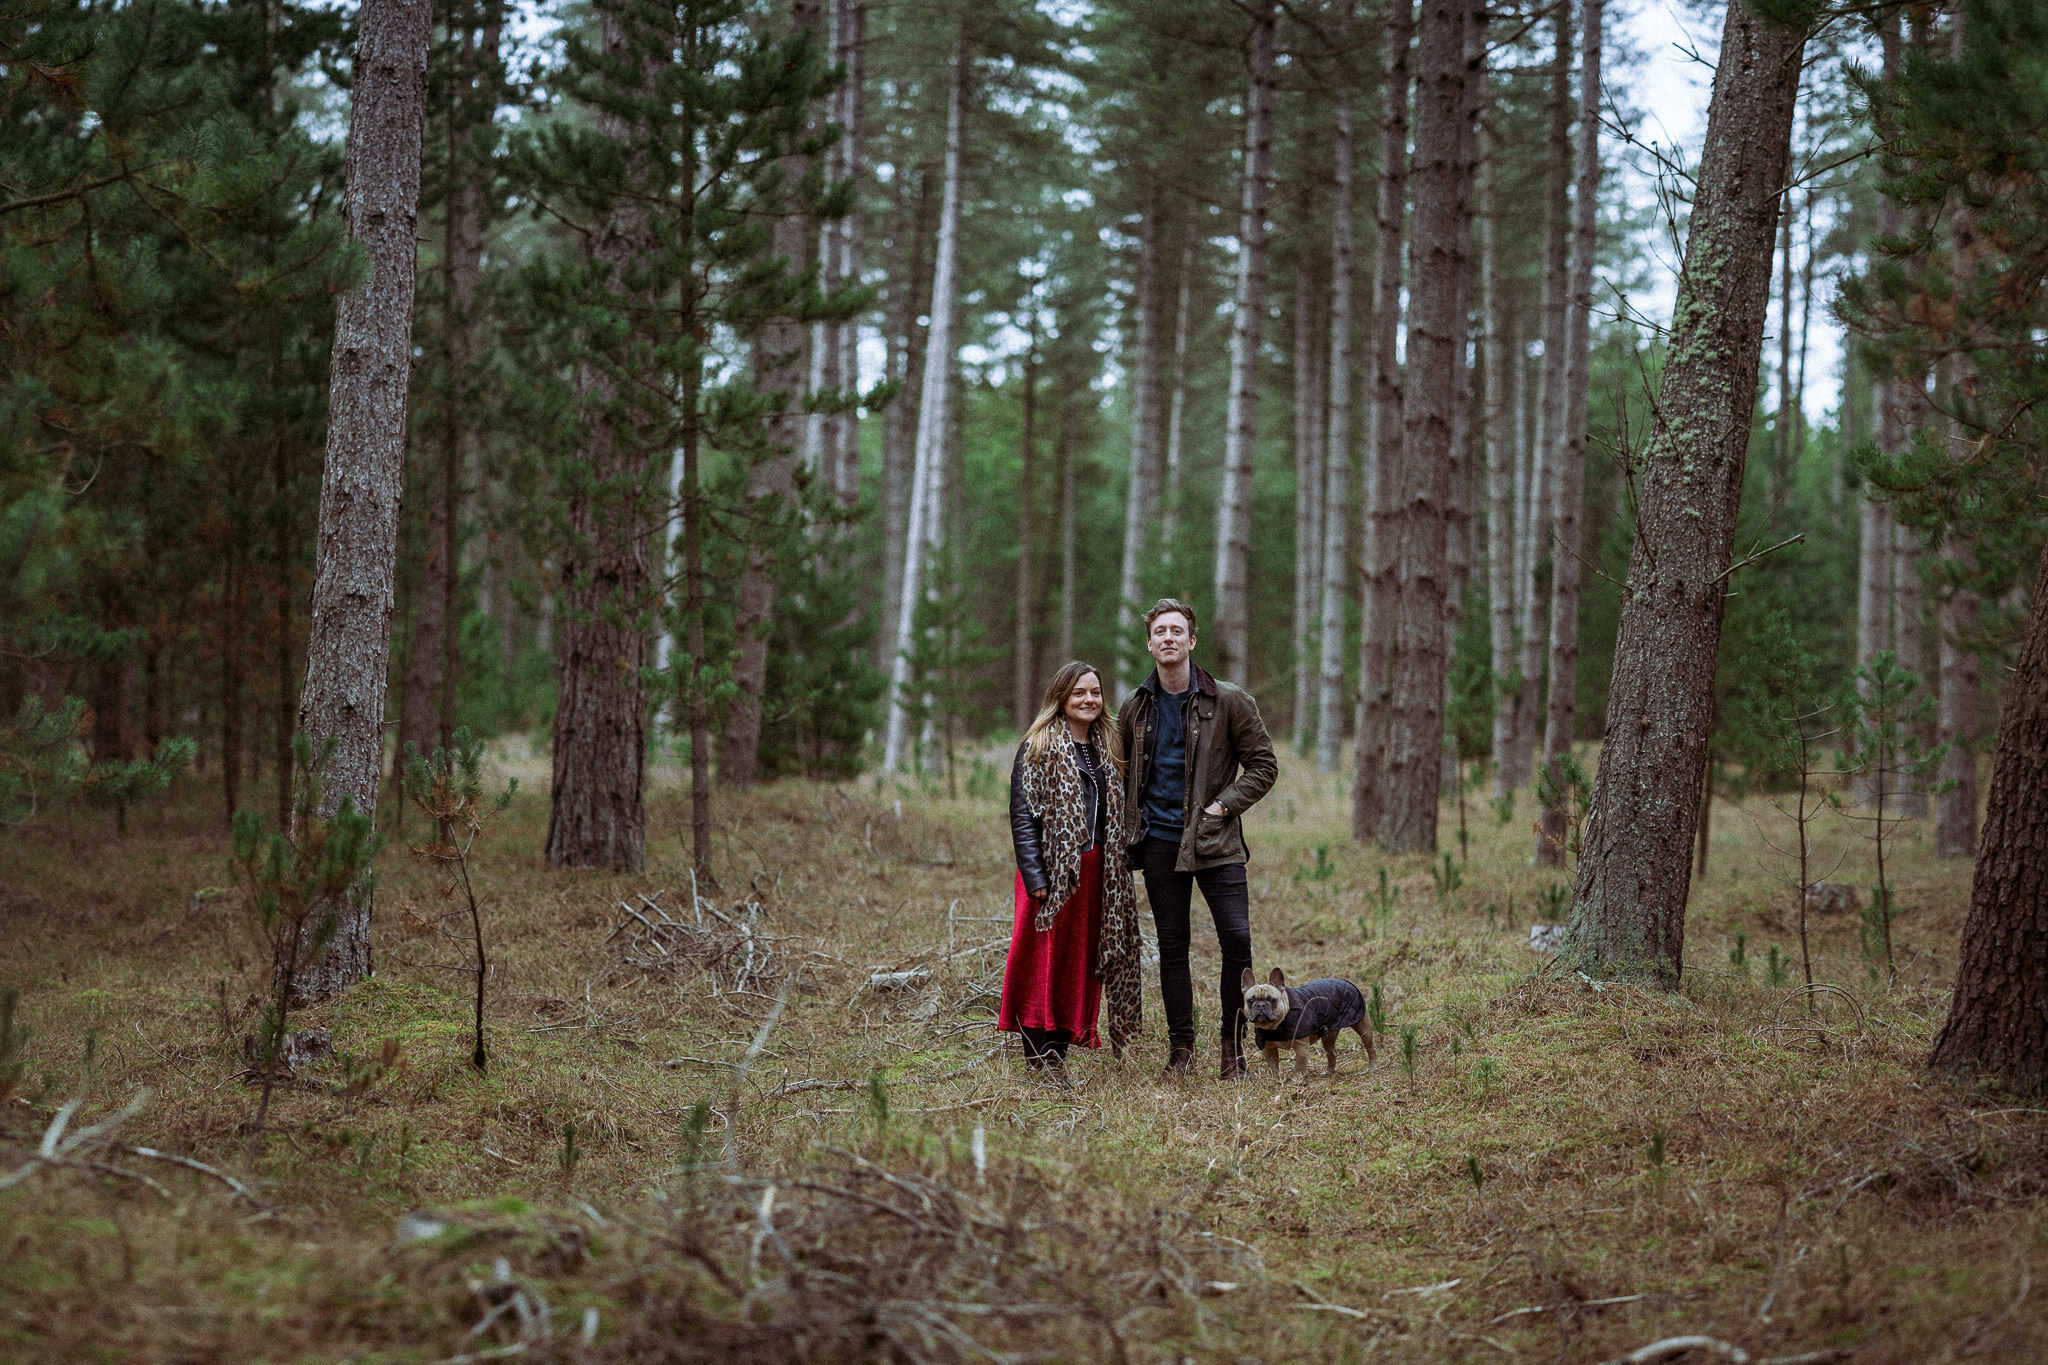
[1052, 716]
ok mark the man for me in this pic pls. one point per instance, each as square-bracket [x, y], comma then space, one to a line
[1196, 758]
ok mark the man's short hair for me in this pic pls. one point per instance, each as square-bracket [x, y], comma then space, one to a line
[1167, 604]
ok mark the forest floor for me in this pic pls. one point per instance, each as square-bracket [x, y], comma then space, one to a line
[708, 1136]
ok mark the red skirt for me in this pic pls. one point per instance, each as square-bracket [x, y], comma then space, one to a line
[1049, 980]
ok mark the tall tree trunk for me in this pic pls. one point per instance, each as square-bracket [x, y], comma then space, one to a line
[1909, 630]
[1805, 328]
[426, 705]
[1070, 559]
[1550, 416]
[1458, 549]
[1958, 690]
[1958, 686]
[1023, 663]
[1998, 1018]
[1874, 573]
[1141, 507]
[1415, 733]
[1309, 457]
[1504, 660]
[1629, 898]
[781, 366]
[233, 573]
[597, 815]
[906, 341]
[350, 636]
[1177, 407]
[850, 35]
[285, 545]
[1335, 575]
[923, 533]
[1561, 716]
[1240, 431]
[1383, 439]
[1788, 397]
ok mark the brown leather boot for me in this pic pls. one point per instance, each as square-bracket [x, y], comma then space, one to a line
[1180, 1062]
[1233, 1060]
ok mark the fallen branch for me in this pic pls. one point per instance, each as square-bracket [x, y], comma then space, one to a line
[191, 1165]
[1672, 1346]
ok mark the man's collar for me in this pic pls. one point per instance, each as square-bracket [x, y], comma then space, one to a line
[1198, 681]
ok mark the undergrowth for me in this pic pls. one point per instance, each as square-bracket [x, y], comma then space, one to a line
[779, 1124]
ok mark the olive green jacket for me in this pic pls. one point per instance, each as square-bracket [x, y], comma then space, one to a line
[1230, 761]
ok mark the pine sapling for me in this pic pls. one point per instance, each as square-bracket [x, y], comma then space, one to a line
[1887, 713]
[298, 881]
[448, 788]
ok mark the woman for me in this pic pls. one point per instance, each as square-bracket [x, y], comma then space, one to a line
[1076, 923]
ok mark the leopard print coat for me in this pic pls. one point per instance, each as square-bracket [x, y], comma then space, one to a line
[1056, 798]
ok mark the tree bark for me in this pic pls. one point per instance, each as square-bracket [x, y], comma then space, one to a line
[1958, 688]
[1562, 711]
[1504, 659]
[1998, 1018]
[1070, 556]
[1141, 506]
[1788, 398]
[1629, 898]
[850, 34]
[349, 641]
[906, 342]
[597, 814]
[1023, 660]
[1336, 566]
[1550, 417]
[1232, 631]
[233, 572]
[1177, 406]
[1415, 732]
[1909, 631]
[923, 532]
[781, 367]
[426, 714]
[1309, 457]
[1383, 438]
[1957, 685]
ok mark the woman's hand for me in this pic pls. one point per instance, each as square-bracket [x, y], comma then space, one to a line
[1038, 893]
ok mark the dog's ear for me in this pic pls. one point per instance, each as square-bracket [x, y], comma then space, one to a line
[1246, 983]
[1278, 977]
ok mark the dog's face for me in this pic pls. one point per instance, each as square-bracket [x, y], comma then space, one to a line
[1265, 1003]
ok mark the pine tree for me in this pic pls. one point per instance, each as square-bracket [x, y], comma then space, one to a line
[1629, 897]
[1966, 118]
[341, 709]
[673, 191]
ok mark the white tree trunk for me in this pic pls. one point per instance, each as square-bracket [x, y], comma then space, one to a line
[1500, 489]
[1336, 575]
[1234, 506]
[1141, 506]
[1309, 457]
[924, 531]
[1176, 416]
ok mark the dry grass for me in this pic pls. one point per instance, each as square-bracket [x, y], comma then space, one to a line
[708, 1136]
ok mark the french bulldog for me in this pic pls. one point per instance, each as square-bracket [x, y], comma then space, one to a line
[1313, 1012]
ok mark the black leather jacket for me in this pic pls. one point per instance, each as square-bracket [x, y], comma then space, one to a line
[1027, 833]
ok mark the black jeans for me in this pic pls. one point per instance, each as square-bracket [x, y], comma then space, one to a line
[1171, 894]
